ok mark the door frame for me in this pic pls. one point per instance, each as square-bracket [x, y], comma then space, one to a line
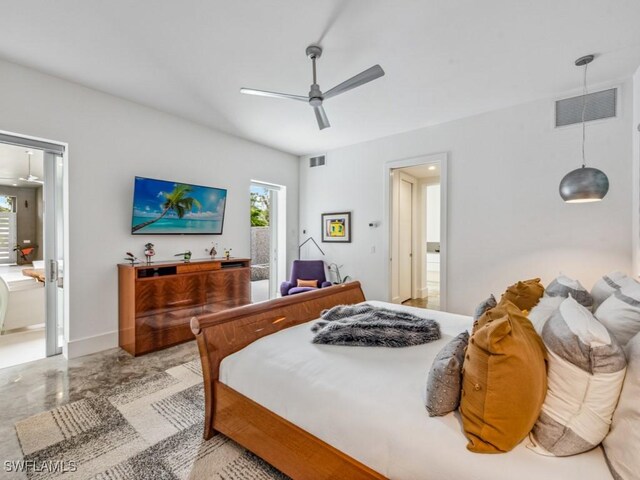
[52, 150]
[440, 159]
[278, 224]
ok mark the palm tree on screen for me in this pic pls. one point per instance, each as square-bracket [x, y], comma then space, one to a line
[176, 201]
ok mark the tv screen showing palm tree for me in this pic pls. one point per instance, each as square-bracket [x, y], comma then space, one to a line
[171, 208]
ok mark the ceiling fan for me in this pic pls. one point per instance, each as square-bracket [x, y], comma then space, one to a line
[316, 97]
[29, 178]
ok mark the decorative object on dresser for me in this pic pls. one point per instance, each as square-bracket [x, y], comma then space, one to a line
[149, 251]
[157, 301]
[212, 251]
[186, 256]
[336, 227]
[131, 258]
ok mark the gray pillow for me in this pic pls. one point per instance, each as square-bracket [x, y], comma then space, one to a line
[483, 306]
[564, 286]
[445, 377]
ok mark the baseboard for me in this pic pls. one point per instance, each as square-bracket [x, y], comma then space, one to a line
[395, 300]
[89, 345]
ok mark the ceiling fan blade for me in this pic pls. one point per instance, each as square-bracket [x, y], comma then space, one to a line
[264, 93]
[321, 116]
[360, 79]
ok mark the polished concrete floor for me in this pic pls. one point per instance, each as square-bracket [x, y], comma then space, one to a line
[39, 386]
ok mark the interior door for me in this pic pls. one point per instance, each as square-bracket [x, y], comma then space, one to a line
[54, 250]
[405, 239]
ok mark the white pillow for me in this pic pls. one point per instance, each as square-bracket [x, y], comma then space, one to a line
[620, 313]
[542, 312]
[585, 373]
[623, 442]
[607, 285]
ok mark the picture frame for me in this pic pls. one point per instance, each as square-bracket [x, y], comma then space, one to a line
[336, 227]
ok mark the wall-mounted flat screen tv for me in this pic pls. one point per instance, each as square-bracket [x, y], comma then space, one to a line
[161, 207]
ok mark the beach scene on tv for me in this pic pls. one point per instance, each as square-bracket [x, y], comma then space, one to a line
[162, 207]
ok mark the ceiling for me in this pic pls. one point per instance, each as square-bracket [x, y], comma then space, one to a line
[14, 164]
[422, 171]
[443, 60]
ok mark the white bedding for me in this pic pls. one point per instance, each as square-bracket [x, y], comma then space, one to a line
[368, 402]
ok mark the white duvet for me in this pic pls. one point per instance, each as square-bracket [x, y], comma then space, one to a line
[368, 402]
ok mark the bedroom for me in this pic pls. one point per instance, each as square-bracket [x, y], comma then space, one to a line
[160, 99]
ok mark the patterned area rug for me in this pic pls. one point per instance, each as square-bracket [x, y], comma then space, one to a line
[147, 429]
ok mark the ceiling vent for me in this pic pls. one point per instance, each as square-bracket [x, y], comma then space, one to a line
[599, 105]
[317, 161]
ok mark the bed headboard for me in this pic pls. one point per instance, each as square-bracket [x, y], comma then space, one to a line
[221, 334]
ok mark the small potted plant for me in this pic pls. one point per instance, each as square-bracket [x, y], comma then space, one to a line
[186, 256]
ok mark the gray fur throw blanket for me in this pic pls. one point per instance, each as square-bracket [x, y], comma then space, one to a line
[367, 326]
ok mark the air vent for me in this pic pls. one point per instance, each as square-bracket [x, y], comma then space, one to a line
[317, 161]
[599, 105]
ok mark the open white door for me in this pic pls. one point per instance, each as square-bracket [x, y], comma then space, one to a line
[405, 238]
[54, 250]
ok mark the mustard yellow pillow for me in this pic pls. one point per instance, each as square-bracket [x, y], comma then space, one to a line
[504, 380]
[308, 283]
[525, 294]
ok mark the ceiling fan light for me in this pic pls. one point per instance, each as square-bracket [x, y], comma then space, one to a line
[583, 185]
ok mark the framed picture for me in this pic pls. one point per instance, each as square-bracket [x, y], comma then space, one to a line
[336, 227]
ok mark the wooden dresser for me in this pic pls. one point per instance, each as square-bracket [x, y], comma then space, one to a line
[157, 300]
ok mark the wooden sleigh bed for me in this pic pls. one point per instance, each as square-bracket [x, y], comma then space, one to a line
[333, 412]
[287, 447]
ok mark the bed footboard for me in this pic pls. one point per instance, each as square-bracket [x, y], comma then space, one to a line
[221, 334]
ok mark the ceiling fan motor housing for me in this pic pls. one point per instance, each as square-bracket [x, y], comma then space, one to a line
[315, 95]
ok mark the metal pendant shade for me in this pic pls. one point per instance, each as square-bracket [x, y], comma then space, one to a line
[584, 184]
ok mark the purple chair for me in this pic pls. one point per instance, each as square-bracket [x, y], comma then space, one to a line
[304, 270]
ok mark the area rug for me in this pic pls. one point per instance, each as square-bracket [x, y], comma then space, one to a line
[146, 429]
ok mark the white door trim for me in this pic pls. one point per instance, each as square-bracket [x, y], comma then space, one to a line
[52, 148]
[436, 158]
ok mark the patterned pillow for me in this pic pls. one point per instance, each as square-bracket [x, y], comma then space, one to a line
[525, 294]
[607, 286]
[481, 309]
[623, 442]
[585, 375]
[504, 380]
[564, 286]
[445, 377]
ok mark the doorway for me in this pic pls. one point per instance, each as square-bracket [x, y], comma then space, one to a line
[416, 221]
[268, 240]
[32, 297]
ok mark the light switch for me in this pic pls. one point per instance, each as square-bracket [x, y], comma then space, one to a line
[26, 242]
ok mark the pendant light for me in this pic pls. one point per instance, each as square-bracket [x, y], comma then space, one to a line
[584, 184]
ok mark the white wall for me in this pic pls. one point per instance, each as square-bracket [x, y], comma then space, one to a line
[506, 219]
[635, 138]
[110, 141]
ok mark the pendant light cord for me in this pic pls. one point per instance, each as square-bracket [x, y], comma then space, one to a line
[584, 108]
